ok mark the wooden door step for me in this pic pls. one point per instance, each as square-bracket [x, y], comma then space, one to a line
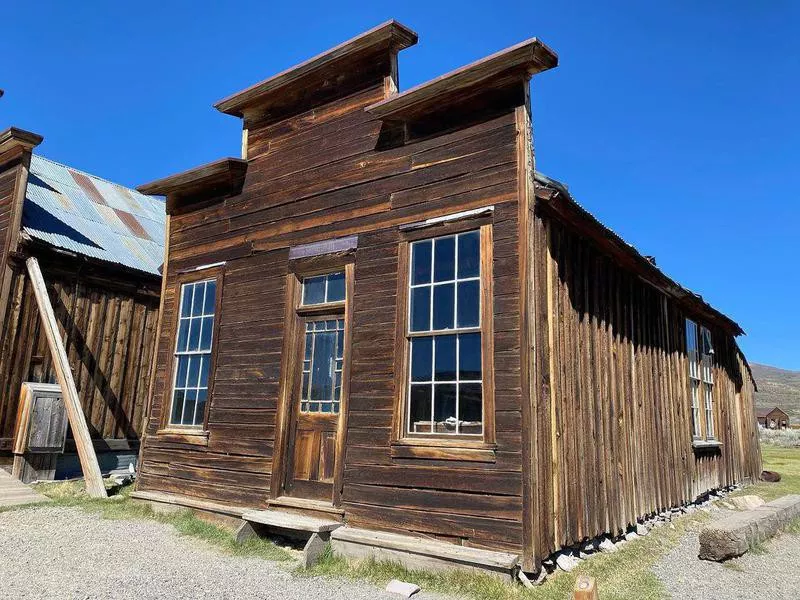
[304, 506]
[290, 521]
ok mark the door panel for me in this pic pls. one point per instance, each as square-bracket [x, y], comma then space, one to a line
[315, 409]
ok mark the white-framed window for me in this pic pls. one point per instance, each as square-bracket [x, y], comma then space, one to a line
[445, 372]
[701, 379]
[192, 359]
[323, 360]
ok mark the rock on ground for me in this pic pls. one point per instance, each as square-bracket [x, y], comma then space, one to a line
[772, 575]
[56, 552]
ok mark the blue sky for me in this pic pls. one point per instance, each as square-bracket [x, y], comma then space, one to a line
[676, 123]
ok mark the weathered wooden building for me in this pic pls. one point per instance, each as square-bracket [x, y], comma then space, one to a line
[773, 419]
[382, 313]
[99, 246]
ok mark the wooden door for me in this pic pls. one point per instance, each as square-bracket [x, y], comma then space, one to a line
[315, 407]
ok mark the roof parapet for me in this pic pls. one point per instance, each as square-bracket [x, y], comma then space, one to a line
[390, 35]
[524, 59]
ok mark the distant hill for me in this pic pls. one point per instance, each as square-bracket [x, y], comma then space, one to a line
[778, 387]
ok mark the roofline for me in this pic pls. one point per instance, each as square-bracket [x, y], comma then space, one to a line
[644, 268]
[398, 35]
[530, 57]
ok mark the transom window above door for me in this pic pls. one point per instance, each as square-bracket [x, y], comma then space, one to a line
[445, 369]
[323, 289]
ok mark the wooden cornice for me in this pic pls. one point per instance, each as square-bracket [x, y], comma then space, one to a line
[219, 179]
[556, 200]
[523, 60]
[391, 36]
[13, 136]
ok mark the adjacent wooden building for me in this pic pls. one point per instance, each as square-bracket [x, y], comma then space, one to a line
[773, 419]
[381, 312]
[99, 246]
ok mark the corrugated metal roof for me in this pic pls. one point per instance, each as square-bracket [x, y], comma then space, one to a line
[75, 211]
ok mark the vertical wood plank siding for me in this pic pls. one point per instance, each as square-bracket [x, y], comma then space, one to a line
[109, 338]
[621, 444]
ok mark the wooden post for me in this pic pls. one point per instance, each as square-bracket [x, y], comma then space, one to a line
[585, 588]
[83, 441]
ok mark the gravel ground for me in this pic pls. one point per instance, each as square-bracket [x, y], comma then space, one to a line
[774, 574]
[54, 552]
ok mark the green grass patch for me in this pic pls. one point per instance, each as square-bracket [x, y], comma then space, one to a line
[785, 461]
[121, 506]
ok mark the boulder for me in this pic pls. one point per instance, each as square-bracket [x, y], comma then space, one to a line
[567, 562]
[746, 502]
[402, 588]
[606, 545]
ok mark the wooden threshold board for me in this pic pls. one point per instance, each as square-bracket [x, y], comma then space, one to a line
[290, 521]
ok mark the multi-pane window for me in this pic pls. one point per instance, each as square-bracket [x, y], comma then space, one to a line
[323, 289]
[701, 378]
[445, 379]
[193, 352]
[322, 366]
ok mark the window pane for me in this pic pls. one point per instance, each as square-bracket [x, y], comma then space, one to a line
[314, 290]
[309, 343]
[188, 407]
[322, 365]
[421, 262]
[205, 362]
[470, 408]
[183, 335]
[211, 297]
[198, 301]
[177, 407]
[336, 287]
[468, 303]
[206, 332]
[443, 306]
[421, 359]
[445, 358]
[421, 309]
[201, 407]
[186, 304]
[194, 371]
[469, 356]
[194, 335]
[180, 375]
[469, 254]
[444, 407]
[444, 259]
[420, 409]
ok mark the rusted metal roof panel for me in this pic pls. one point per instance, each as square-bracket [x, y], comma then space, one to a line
[75, 211]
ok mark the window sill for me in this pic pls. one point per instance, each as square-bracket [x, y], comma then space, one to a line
[706, 444]
[197, 437]
[438, 449]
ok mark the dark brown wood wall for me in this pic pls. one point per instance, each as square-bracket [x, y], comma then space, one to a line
[317, 175]
[619, 419]
[109, 335]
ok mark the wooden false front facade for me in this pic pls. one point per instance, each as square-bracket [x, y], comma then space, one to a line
[584, 418]
[107, 316]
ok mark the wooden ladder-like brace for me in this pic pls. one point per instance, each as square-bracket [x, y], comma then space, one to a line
[80, 431]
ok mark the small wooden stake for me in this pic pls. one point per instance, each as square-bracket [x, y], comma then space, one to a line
[585, 588]
[83, 441]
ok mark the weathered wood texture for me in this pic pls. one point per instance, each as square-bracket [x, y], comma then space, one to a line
[621, 444]
[108, 330]
[328, 173]
[606, 387]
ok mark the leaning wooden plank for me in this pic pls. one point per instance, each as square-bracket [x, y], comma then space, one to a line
[80, 431]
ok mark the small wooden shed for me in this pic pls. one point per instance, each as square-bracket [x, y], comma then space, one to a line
[381, 313]
[773, 419]
[99, 246]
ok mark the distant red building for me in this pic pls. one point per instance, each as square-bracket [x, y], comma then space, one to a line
[773, 419]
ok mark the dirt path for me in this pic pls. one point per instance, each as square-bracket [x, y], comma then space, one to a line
[56, 552]
[773, 574]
